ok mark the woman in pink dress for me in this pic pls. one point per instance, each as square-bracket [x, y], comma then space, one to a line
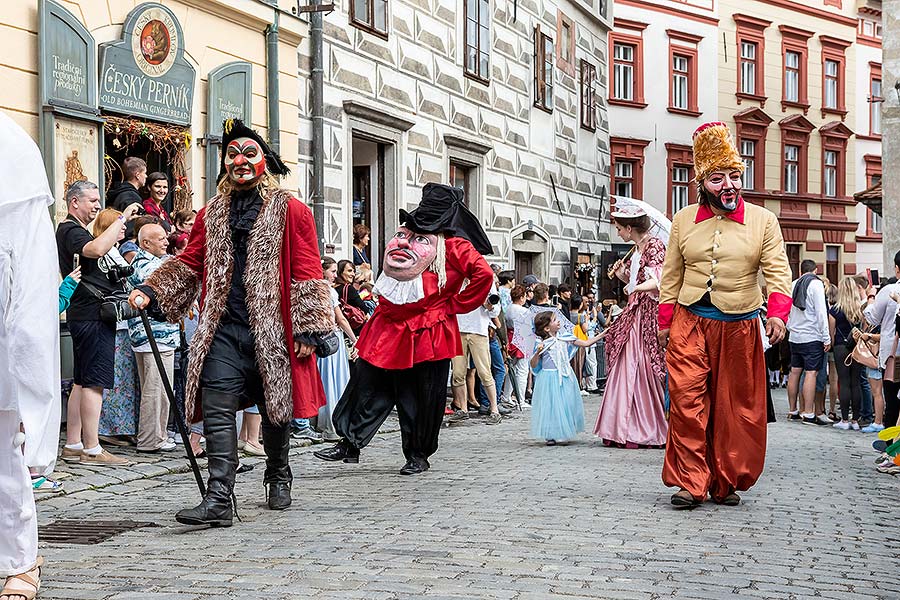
[632, 414]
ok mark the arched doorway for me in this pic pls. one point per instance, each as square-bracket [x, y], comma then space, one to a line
[529, 251]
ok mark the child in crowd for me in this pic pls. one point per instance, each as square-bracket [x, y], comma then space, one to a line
[557, 409]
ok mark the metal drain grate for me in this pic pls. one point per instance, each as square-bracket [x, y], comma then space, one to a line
[77, 531]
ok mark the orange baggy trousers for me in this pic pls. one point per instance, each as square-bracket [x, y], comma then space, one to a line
[717, 413]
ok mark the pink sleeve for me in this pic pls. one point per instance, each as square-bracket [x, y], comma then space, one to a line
[779, 306]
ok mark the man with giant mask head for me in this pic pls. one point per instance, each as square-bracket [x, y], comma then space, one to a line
[433, 271]
[253, 258]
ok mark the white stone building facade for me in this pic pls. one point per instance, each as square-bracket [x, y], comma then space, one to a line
[419, 91]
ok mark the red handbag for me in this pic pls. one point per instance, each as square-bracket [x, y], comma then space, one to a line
[354, 316]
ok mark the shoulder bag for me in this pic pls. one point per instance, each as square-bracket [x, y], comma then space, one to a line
[864, 353]
[354, 316]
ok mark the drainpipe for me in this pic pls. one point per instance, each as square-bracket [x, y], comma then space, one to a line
[272, 93]
[317, 194]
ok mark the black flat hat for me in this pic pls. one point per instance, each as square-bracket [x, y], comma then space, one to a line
[442, 211]
[234, 129]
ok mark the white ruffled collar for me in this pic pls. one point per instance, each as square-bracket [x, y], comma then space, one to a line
[399, 292]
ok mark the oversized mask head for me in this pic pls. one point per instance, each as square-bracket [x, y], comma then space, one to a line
[408, 254]
[244, 161]
[722, 189]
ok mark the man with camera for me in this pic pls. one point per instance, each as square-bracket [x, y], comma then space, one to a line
[93, 340]
[151, 435]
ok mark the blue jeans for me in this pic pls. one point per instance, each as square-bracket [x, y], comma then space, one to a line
[498, 370]
[867, 408]
[300, 424]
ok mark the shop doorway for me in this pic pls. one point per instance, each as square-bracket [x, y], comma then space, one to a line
[156, 161]
[370, 194]
[530, 250]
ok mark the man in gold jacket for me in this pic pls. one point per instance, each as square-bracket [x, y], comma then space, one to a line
[708, 319]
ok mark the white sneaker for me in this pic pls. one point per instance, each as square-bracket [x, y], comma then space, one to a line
[823, 420]
[167, 446]
[854, 425]
[584, 392]
[845, 425]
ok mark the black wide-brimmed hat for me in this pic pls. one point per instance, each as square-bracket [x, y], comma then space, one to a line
[233, 129]
[442, 211]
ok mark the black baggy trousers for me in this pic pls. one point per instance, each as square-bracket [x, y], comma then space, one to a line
[419, 393]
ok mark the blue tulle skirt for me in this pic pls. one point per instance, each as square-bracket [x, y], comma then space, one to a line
[557, 411]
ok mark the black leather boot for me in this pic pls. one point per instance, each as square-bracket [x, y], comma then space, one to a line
[343, 450]
[278, 477]
[220, 431]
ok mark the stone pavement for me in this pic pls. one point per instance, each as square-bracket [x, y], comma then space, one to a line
[501, 517]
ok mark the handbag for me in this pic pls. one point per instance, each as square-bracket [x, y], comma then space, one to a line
[864, 354]
[892, 367]
[354, 316]
[114, 306]
[327, 344]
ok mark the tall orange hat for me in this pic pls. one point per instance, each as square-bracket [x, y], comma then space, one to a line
[714, 150]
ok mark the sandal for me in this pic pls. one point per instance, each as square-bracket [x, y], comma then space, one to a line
[833, 417]
[28, 579]
[44, 485]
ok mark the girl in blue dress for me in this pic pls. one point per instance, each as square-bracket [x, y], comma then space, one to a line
[557, 410]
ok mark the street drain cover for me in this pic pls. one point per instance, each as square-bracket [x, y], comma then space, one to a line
[78, 531]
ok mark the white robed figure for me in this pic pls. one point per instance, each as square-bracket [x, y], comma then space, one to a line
[29, 350]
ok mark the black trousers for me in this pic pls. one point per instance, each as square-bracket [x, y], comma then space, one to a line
[419, 393]
[230, 368]
[891, 402]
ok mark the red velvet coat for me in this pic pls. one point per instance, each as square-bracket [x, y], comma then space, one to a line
[285, 294]
[399, 336]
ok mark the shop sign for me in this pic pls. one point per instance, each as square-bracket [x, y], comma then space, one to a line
[145, 73]
[68, 60]
[75, 158]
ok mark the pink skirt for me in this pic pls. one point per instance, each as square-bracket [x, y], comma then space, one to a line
[632, 408]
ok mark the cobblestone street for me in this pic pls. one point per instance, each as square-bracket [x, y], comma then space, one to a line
[499, 517]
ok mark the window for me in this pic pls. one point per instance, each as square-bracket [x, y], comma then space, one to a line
[627, 167]
[370, 15]
[795, 53]
[792, 76]
[793, 255]
[832, 263]
[875, 99]
[460, 176]
[623, 71]
[478, 38]
[624, 181]
[751, 43]
[875, 222]
[748, 155]
[680, 81]
[751, 129]
[829, 175]
[588, 105]
[626, 51]
[748, 68]
[543, 70]
[831, 84]
[565, 42]
[791, 169]
[680, 188]
[833, 79]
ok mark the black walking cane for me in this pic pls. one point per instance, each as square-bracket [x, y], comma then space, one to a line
[510, 372]
[179, 416]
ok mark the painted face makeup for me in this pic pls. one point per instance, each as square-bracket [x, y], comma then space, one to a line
[722, 189]
[244, 161]
[408, 254]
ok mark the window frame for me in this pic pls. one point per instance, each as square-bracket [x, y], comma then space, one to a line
[587, 97]
[796, 40]
[636, 41]
[875, 75]
[630, 150]
[368, 25]
[835, 138]
[684, 45]
[833, 50]
[751, 157]
[541, 65]
[678, 156]
[829, 173]
[752, 30]
[752, 124]
[796, 163]
[562, 23]
[476, 75]
[873, 174]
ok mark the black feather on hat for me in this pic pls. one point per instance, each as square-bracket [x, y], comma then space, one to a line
[442, 211]
[233, 129]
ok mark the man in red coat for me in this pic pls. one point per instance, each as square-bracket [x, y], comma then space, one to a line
[254, 259]
[433, 271]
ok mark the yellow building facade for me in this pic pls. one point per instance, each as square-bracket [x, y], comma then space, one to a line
[787, 83]
[94, 82]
